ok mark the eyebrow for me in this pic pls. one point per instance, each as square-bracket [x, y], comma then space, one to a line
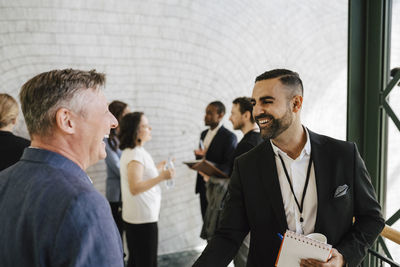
[263, 98]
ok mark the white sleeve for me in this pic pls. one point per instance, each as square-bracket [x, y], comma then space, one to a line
[136, 155]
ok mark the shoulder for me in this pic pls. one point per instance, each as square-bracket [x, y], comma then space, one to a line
[50, 189]
[137, 153]
[17, 140]
[225, 132]
[247, 144]
[254, 153]
[75, 197]
[70, 186]
[22, 141]
[131, 152]
[252, 139]
[331, 143]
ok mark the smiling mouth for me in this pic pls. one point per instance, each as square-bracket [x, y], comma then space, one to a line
[264, 122]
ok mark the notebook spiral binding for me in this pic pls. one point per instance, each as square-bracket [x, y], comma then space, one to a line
[308, 241]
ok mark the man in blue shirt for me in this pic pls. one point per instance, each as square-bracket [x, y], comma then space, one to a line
[50, 213]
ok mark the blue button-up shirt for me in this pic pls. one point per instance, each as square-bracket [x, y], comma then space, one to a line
[51, 215]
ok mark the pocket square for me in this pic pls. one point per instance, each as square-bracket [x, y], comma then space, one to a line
[341, 190]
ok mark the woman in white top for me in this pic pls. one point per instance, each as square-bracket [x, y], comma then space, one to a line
[141, 193]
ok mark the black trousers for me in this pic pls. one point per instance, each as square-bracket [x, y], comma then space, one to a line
[203, 203]
[201, 189]
[117, 214]
[142, 242]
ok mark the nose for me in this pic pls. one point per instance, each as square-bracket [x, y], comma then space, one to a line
[113, 121]
[256, 110]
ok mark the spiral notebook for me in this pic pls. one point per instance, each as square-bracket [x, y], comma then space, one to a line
[295, 247]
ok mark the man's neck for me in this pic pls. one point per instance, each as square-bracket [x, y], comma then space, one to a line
[292, 140]
[247, 127]
[52, 145]
[212, 127]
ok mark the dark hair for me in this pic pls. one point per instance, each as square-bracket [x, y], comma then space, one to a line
[245, 105]
[129, 129]
[219, 105]
[117, 109]
[286, 77]
[45, 93]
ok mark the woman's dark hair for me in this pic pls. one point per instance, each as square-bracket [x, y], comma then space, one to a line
[129, 129]
[117, 109]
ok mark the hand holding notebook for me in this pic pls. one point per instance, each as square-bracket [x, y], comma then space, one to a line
[296, 247]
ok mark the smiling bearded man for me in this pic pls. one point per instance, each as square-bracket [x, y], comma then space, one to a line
[297, 180]
[50, 213]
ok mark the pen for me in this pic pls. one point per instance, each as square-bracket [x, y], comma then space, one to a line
[280, 236]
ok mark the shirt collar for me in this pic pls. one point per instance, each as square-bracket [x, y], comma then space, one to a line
[305, 151]
[216, 128]
[53, 159]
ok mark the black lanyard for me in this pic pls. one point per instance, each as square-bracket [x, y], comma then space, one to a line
[305, 186]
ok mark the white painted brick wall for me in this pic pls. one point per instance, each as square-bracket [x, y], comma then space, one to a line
[170, 58]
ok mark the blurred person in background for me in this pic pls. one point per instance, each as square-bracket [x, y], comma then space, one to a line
[242, 119]
[11, 146]
[141, 192]
[113, 184]
[216, 145]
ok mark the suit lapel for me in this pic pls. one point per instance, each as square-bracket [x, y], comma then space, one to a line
[322, 172]
[214, 142]
[269, 178]
[203, 134]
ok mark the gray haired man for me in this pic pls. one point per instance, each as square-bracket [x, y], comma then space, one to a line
[50, 213]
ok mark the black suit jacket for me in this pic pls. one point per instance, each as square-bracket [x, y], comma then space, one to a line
[219, 152]
[255, 204]
[11, 148]
[248, 142]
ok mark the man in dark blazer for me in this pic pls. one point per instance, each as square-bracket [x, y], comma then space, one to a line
[338, 190]
[216, 187]
[219, 145]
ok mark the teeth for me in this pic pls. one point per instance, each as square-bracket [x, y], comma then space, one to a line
[263, 121]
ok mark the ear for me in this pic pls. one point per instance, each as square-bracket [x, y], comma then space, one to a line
[65, 121]
[297, 103]
[221, 115]
[246, 115]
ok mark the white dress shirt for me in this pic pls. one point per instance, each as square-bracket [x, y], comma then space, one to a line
[297, 170]
[210, 136]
